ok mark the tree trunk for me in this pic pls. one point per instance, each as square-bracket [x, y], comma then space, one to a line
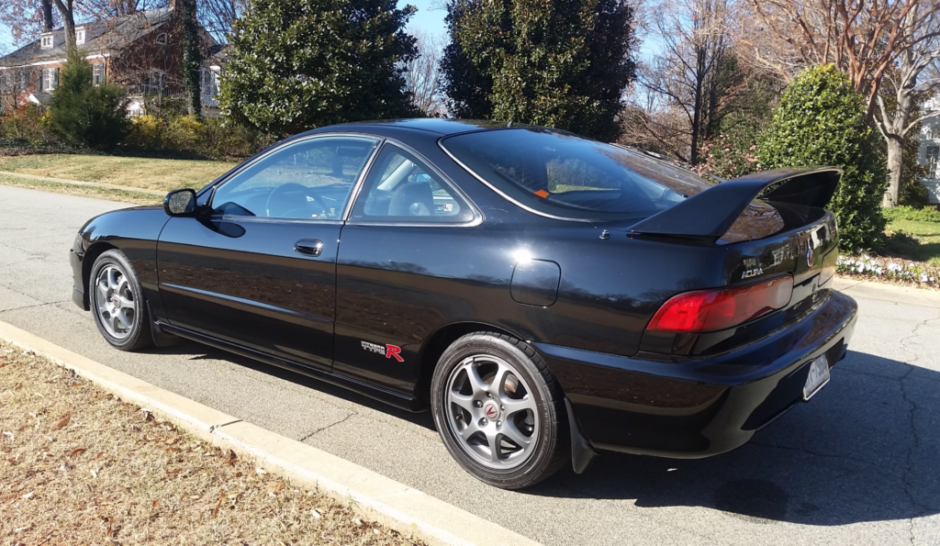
[192, 57]
[697, 105]
[894, 131]
[47, 24]
[895, 163]
[68, 21]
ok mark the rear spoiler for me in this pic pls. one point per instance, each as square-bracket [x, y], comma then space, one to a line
[708, 215]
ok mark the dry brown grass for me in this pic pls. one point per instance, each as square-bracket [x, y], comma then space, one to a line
[78, 466]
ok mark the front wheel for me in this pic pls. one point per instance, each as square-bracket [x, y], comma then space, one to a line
[499, 411]
[118, 303]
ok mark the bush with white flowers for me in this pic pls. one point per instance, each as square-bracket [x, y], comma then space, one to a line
[889, 268]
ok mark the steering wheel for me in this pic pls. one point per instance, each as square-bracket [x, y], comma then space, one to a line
[290, 195]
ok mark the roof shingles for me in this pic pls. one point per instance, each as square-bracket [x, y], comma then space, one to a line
[102, 36]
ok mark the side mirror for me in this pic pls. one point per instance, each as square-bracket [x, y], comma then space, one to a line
[180, 202]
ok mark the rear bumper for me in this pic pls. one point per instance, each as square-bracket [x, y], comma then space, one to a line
[702, 407]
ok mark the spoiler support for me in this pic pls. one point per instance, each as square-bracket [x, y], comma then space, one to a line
[708, 215]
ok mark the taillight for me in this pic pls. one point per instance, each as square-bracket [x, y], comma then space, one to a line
[710, 310]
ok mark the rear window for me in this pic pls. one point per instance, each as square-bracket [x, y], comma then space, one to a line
[563, 175]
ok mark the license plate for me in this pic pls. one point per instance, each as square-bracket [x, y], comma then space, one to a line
[817, 378]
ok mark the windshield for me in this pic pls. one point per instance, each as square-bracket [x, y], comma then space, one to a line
[560, 174]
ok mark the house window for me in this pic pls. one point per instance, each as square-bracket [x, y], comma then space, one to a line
[933, 161]
[97, 74]
[46, 42]
[161, 38]
[50, 78]
[79, 36]
[154, 83]
[209, 84]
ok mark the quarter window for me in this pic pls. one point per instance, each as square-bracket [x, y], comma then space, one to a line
[310, 179]
[402, 188]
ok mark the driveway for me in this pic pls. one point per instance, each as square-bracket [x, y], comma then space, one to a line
[860, 464]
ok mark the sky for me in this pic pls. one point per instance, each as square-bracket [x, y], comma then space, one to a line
[6, 39]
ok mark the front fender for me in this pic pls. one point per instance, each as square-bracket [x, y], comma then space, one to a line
[135, 232]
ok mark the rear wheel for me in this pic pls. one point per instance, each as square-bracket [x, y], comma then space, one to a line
[499, 411]
[118, 303]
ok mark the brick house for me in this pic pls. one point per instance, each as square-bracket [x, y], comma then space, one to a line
[141, 52]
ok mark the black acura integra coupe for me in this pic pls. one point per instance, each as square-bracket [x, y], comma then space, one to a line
[546, 296]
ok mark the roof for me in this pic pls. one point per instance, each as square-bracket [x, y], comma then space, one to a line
[100, 36]
[438, 126]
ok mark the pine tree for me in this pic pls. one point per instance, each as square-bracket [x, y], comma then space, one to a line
[84, 114]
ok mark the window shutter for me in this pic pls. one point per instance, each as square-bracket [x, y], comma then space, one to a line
[55, 75]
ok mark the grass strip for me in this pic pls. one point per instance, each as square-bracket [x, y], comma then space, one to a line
[79, 466]
[133, 172]
[124, 196]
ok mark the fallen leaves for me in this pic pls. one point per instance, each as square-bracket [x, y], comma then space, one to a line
[64, 422]
[141, 475]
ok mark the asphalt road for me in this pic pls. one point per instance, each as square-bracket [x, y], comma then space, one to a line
[860, 464]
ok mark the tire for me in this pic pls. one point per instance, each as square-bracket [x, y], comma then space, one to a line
[117, 302]
[486, 377]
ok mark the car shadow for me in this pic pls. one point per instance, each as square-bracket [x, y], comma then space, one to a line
[196, 352]
[864, 449]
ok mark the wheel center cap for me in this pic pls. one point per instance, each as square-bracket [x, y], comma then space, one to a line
[491, 410]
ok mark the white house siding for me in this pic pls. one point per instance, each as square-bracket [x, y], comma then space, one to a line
[929, 153]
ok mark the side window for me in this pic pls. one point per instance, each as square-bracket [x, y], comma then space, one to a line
[402, 188]
[310, 179]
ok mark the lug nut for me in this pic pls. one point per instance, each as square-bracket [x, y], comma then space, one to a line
[483, 422]
[499, 423]
[489, 395]
[502, 407]
[478, 404]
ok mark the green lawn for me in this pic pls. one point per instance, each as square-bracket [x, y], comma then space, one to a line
[927, 233]
[132, 172]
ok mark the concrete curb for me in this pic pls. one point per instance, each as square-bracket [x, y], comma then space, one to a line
[888, 292]
[80, 183]
[405, 509]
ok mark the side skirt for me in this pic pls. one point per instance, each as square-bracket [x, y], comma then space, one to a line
[393, 399]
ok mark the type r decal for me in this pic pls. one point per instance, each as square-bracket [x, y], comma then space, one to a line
[390, 351]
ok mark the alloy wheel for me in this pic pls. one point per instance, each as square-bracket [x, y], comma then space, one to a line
[115, 301]
[492, 412]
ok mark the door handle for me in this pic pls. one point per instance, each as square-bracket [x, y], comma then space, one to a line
[309, 247]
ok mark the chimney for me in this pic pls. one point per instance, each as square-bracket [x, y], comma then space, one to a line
[46, 15]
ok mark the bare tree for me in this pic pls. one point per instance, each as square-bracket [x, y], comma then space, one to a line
[14, 82]
[864, 38]
[895, 116]
[695, 37]
[423, 76]
[217, 16]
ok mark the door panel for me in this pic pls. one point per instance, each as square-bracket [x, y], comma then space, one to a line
[254, 289]
[398, 273]
[258, 267]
